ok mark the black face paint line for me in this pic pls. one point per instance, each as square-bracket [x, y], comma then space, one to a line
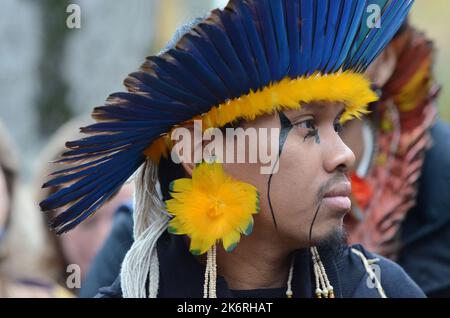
[286, 127]
[313, 133]
[312, 224]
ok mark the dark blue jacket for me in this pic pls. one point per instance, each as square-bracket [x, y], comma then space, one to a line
[182, 276]
[425, 254]
[106, 264]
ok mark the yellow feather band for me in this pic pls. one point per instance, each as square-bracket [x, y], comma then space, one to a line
[350, 88]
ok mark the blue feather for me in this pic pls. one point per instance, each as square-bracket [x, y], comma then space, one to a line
[164, 83]
[236, 33]
[79, 167]
[307, 25]
[91, 202]
[263, 23]
[99, 139]
[123, 126]
[178, 73]
[382, 40]
[332, 26]
[365, 28]
[239, 79]
[344, 25]
[358, 53]
[209, 53]
[277, 12]
[320, 32]
[136, 100]
[138, 113]
[354, 26]
[242, 10]
[92, 178]
[134, 84]
[292, 25]
[202, 72]
[94, 151]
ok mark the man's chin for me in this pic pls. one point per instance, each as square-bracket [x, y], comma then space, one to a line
[333, 238]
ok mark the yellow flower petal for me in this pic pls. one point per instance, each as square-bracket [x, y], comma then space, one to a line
[212, 206]
[181, 185]
[230, 241]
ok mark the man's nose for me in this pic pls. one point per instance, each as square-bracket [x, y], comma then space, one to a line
[337, 155]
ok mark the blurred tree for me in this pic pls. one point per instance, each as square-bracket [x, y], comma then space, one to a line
[52, 101]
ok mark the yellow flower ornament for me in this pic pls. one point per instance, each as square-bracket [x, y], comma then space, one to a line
[212, 206]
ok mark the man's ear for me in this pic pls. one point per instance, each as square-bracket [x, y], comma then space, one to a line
[190, 146]
[188, 167]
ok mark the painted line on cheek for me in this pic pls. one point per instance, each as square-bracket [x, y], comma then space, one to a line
[312, 224]
[286, 127]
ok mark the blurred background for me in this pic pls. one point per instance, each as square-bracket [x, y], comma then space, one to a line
[51, 74]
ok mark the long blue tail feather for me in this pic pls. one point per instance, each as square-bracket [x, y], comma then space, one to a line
[235, 31]
[292, 25]
[335, 8]
[278, 13]
[242, 10]
[238, 80]
[320, 33]
[307, 35]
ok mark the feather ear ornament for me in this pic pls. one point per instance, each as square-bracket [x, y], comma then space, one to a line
[212, 207]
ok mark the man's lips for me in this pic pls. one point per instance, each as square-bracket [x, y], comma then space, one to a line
[342, 189]
[339, 196]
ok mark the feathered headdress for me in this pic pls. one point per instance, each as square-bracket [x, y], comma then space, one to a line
[252, 58]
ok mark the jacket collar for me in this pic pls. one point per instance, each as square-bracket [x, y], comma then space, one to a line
[182, 276]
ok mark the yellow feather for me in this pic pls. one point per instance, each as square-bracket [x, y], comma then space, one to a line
[350, 88]
[210, 207]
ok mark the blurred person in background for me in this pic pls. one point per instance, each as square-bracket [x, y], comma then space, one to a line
[79, 246]
[107, 263]
[401, 185]
[20, 273]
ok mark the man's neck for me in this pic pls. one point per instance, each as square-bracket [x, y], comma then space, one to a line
[255, 264]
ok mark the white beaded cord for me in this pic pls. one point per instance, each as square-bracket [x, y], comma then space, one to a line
[289, 292]
[370, 272]
[209, 285]
[150, 221]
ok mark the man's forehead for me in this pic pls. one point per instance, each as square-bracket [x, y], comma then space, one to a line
[318, 107]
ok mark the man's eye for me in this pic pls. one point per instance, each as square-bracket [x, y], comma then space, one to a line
[307, 124]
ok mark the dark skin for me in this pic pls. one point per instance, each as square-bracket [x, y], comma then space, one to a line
[314, 163]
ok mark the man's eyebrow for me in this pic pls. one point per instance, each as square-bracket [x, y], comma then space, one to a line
[316, 107]
[308, 106]
[311, 107]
